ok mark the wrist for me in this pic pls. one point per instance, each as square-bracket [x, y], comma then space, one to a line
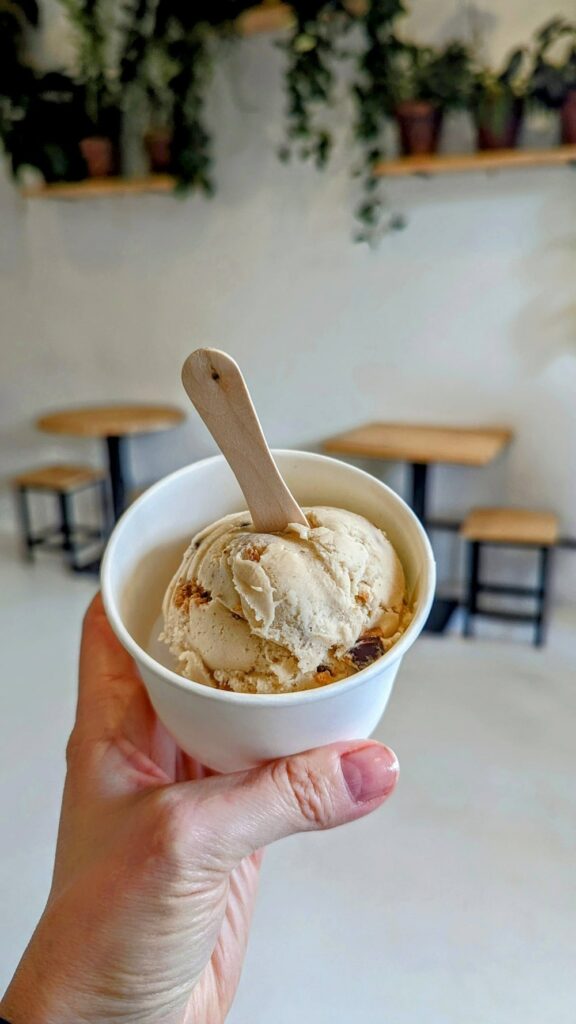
[26, 1003]
[36, 994]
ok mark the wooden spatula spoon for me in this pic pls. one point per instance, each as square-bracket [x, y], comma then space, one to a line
[215, 386]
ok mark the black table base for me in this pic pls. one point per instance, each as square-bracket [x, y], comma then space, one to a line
[116, 463]
[116, 452]
[419, 471]
[442, 608]
[441, 612]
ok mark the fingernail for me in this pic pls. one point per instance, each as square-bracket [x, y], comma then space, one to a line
[370, 772]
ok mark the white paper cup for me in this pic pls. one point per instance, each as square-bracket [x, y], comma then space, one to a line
[229, 731]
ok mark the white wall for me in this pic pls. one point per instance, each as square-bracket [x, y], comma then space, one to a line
[468, 316]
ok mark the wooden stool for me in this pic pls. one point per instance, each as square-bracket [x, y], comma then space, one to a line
[64, 482]
[514, 527]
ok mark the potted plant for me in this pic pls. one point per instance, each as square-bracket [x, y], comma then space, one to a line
[159, 73]
[553, 79]
[498, 103]
[39, 111]
[44, 134]
[99, 142]
[424, 83]
[158, 142]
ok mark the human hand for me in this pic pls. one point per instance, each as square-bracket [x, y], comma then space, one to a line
[157, 859]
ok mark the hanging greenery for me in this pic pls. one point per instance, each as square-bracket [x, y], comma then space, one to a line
[163, 52]
[95, 34]
[169, 54]
[374, 81]
[312, 49]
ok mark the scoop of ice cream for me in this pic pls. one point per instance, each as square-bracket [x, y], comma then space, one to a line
[261, 612]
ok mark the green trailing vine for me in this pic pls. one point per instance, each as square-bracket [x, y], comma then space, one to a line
[374, 80]
[90, 20]
[169, 53]
[193, 163]
[311, 51]
[139, 19]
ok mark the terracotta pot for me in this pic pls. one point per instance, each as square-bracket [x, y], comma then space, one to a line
[158, 146]
[568, 119]
[498, 121]
[419, 126]
[99, 156]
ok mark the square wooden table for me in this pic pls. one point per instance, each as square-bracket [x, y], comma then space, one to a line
[422, 446]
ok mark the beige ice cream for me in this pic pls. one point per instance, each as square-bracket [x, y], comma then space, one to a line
[271, 613]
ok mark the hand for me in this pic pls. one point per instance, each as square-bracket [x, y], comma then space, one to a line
[157, 859]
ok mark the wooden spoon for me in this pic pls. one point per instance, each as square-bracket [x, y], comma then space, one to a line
[215, 386]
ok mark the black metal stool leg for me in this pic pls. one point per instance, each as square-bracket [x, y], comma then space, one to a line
[473, 578]
[105, 511]
[25, 523]
[67, 527]
[543, 585]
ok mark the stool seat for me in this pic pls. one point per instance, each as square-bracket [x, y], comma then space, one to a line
[511, 526]
[62, 478]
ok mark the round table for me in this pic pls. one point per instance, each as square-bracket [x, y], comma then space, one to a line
[114, 424]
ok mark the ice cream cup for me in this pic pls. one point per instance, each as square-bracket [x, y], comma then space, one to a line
[229, 731]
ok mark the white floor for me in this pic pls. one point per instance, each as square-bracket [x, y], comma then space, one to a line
[455, 904]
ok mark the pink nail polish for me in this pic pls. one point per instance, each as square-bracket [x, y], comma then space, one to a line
[370, 772]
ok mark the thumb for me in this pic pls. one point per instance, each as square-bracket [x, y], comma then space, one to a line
[235, 815]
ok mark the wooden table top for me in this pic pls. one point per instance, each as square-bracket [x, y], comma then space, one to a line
[111, 420]
[404, 442]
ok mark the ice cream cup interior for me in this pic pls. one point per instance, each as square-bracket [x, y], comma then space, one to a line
[146, 547]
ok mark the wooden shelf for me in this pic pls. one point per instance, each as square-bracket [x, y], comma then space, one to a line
[95, 188]
[447, 163]
[488, 160]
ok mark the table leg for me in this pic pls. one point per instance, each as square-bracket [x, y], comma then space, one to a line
[419, 489]
[442, 608]
[115, 448]
[116, 454]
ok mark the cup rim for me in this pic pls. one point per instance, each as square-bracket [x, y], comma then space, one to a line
[264, 699]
